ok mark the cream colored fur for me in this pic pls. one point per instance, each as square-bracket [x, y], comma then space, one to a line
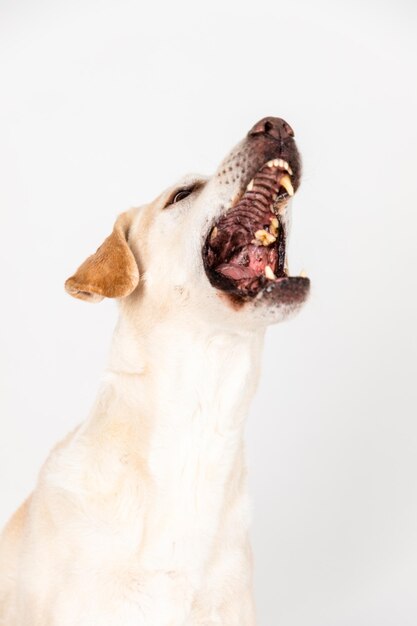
[140, 516]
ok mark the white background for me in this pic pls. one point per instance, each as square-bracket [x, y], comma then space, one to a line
[102, 105]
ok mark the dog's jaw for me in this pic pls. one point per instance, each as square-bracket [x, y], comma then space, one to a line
[245, 246]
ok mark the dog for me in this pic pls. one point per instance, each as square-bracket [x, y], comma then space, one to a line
[141, 515]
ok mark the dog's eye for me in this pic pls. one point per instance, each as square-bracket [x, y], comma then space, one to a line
[181, 194]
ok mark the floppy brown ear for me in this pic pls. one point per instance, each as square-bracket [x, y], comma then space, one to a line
[111, 272]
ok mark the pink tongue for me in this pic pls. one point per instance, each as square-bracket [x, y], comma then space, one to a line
[236, 272]
[250, 261]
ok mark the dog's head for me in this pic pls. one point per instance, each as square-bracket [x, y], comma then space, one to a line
[212, 247]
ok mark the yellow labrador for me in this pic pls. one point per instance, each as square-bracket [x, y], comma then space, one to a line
[140, 516]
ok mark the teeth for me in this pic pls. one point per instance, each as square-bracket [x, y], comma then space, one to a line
[264, 237]
[286, 183]
[284, 165]
[213, 234]
[273, 229]
[269, 273]
[303, 274]
[250, 186]
[280, 163]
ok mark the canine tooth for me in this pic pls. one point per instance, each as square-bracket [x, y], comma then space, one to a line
[250, 186]
[213, 234]
[286, 183]
[264, 237]
[270, 163]
[269, 273]
[303, 274]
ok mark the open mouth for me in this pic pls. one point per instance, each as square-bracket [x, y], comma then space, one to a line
[245, 250]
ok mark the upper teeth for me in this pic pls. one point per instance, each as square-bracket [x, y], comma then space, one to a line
[280, 163]
[214, 234]
[282, 181]
[286, 183]
[264, 237]
[273, 229]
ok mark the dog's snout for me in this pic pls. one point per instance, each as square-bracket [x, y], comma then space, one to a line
[274, 127]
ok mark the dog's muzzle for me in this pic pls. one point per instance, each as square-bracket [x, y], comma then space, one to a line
[245, 250]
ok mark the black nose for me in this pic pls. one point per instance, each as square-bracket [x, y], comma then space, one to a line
[274, 127]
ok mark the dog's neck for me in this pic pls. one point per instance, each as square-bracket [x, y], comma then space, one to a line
[177, 394]
[173, 371]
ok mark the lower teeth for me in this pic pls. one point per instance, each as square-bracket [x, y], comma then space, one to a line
[269, 273]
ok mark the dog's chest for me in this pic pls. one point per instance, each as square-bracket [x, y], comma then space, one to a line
[192, 474]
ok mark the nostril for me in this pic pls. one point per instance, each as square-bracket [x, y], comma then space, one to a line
[273, 127]
[287, 129]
